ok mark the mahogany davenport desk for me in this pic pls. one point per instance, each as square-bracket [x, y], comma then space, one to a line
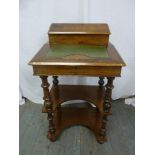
[77, 60]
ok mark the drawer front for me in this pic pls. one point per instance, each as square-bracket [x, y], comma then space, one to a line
[78, 70]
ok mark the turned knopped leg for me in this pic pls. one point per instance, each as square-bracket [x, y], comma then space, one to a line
[106, 106]
[49, 106]
[102, 133]
[56, 91]
[102, 137]
[108, 93]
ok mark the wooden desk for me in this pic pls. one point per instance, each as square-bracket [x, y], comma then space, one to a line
[77, 60]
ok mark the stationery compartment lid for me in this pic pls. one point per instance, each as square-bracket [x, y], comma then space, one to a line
[74, 28]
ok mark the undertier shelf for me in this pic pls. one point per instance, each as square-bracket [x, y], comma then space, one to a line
[89, 117]
[67, 115]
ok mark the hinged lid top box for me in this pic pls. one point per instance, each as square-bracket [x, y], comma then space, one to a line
[75, 33]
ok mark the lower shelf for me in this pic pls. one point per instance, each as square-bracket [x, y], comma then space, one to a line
[88, 117]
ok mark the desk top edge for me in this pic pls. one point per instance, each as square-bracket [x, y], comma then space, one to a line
[117, 60]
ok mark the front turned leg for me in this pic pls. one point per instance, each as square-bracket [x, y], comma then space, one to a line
[108, 93]
[102, 135]
[55, 92]
[49, 106]
[106, 107]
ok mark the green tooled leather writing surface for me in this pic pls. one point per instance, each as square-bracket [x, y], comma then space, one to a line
[87, 51]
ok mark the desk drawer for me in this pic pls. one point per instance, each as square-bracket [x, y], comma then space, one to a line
[78, 70]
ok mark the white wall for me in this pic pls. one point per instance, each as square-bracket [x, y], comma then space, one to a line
[36, 17]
